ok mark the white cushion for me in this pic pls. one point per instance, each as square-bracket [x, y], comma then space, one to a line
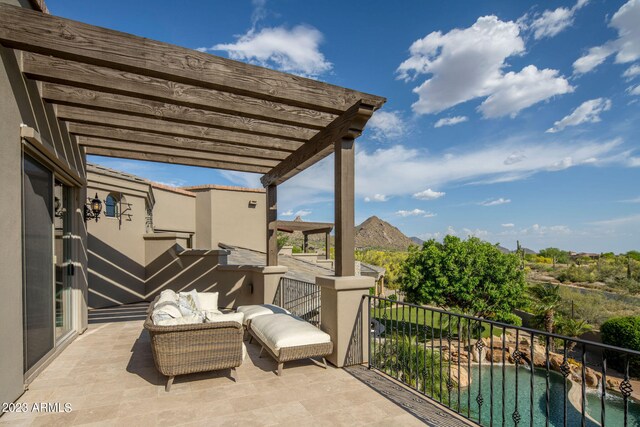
[279, 331]
[227, 317]
[253, 311]
[208, 301]
[244, 352]
[153, 304]
[167, 307]
[187, 305]
[185, 320]
[168, 295]
[193, 296]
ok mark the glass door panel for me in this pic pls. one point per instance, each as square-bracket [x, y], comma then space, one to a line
[65, 268]
[38, 261]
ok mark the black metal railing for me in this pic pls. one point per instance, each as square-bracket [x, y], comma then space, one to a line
[493, 373]
[300, 298]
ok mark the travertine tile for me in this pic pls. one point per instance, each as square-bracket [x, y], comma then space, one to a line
[108, 377]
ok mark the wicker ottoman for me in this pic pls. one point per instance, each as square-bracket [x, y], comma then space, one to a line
[286, 337]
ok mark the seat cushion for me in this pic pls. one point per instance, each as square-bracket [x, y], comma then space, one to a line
[216, 316]
[252, 311]
[279, 331]
[208, 301]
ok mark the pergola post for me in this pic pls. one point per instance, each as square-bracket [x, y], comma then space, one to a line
[327, 245]
[305, 243]
[272, 229]
[344, 207]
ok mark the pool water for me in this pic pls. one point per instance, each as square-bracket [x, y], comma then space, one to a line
[613, 404]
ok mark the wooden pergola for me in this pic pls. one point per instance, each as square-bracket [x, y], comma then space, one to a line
[308, 228]
[130, 97]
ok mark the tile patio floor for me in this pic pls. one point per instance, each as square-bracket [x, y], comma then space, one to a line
[108, 377]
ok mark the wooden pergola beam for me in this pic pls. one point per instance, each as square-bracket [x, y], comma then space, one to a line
[161, 158]
[135, 137]
[90, 141]
[93, 99]
[271, 219]
[89, 76]
[126, 121]
[64, 38]
[350, 123]
[309, 227]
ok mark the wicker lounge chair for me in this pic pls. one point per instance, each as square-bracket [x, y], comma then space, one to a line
[289, 352]
[201, 347]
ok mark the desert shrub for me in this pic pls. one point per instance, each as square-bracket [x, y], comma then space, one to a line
[399, 356]
[623, 332]
[296, 250]
[575, 274]
[510, 318]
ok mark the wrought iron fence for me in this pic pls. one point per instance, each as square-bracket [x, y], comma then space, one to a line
[300, 298]
[498, 374]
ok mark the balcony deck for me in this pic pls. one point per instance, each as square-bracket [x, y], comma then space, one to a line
[108, 377]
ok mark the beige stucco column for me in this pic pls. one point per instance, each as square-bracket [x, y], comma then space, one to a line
[266, 282]
[344, 317]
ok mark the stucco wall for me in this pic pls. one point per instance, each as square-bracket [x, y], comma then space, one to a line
[175, 212]
[227, 216]
[116, 248]
[20, 103]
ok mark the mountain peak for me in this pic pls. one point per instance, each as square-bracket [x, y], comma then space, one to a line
[376, 233]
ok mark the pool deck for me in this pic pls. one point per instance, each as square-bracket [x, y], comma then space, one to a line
[108, 377]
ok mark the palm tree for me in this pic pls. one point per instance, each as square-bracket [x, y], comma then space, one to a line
[547, 299]
[574, 328]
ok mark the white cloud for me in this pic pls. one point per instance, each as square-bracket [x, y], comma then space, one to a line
[295, 50]
[636, 200]
[245, 179]
[429, 215]
[626, 47]
[633, 162]
[387, 125]
[518, 91]
[288, 212]
[466, 64]
[538, 230]
[376, 198]
[475, 233]
[379, 171]
[508, 225]
[552, 22]
[495, 202]
[302, 213]
[632, 72]
[414, 212]
[450, 121]
[617, 222]
[634, 90]
[587, 112]
[428, 194]
[514, 158]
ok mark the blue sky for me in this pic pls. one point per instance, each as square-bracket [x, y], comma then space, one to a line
[506, 120]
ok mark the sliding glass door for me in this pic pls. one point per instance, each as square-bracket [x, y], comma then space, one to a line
[38, 270]
[65, 269]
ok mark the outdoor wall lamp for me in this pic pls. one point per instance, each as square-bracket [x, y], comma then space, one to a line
[92, 208]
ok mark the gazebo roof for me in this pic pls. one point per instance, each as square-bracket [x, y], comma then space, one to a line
[304, 226]
[131, 97]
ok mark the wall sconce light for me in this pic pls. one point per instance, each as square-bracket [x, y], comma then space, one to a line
[253, 203]
[92, 208]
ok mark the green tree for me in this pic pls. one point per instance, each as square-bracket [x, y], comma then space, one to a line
[557, 255]
[573, 328]
[634, 255]
[546, 301]
[471, 275]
